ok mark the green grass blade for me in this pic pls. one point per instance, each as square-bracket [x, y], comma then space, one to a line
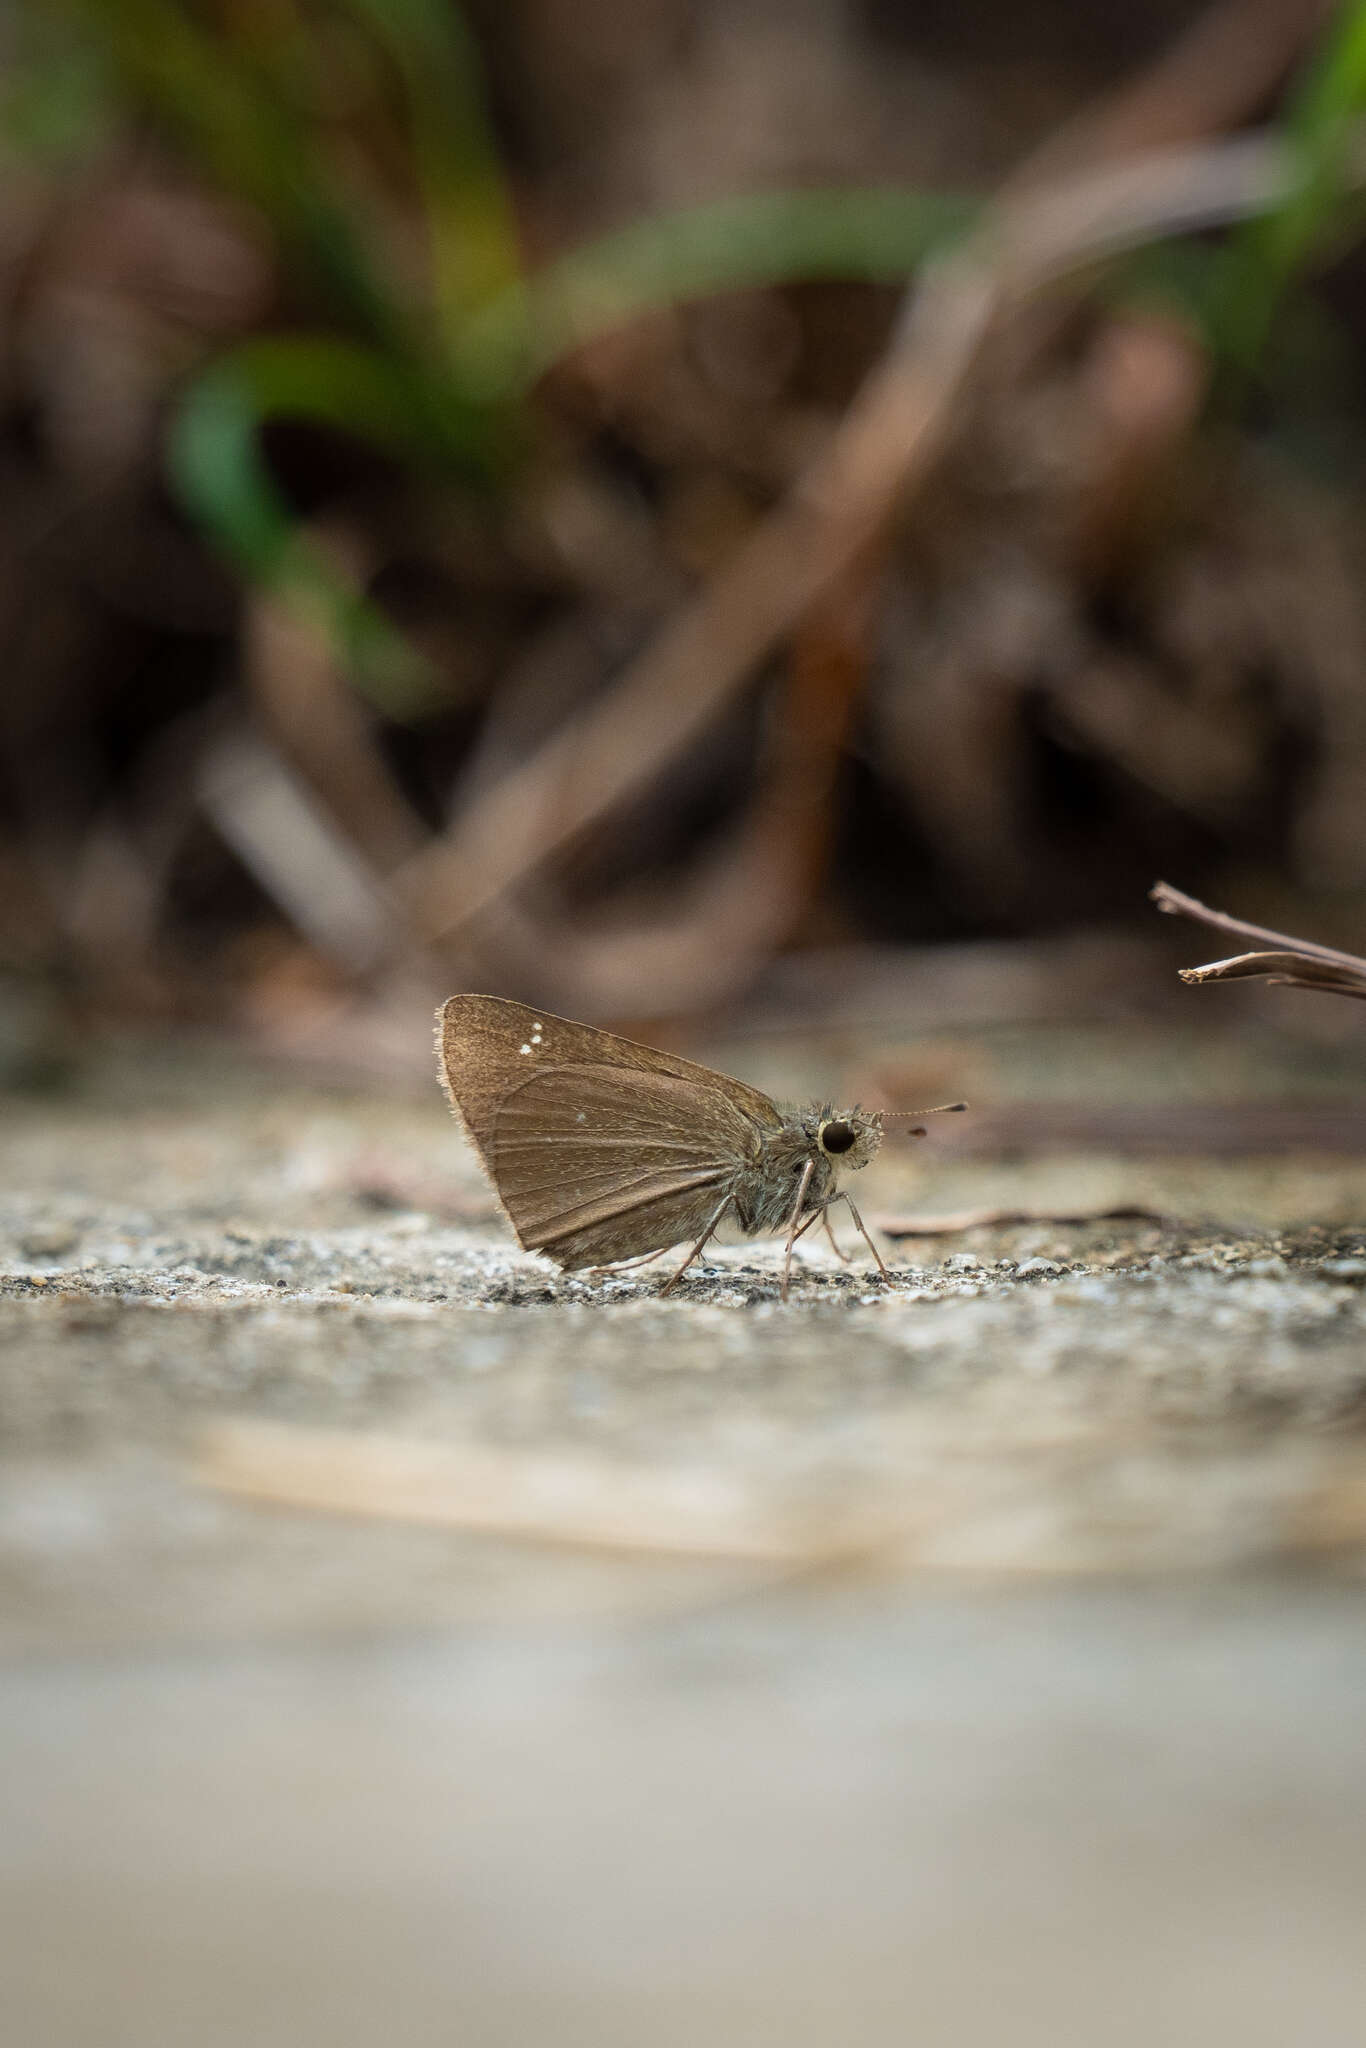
[1262, 260]
[875, 235]
[471, 223]
[204, 89]
[216, 467]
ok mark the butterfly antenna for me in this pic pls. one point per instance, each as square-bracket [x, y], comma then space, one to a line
[918, 1130]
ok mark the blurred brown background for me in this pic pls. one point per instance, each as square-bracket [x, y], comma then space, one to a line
[584, 501]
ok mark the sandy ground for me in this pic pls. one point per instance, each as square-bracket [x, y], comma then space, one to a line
[402, 1641]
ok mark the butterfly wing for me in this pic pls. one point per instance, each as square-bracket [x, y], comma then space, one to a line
[600, 1148]
[597, 1163]
[481, 1041]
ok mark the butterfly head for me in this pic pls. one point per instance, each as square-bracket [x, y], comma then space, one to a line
[848, 1138]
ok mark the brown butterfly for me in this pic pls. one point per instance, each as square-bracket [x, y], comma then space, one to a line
[604, 1151]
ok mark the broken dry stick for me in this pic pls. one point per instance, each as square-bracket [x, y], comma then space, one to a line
[1287, 962]
[958, 1220]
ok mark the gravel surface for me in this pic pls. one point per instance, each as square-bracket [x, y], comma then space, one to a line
[945, 1634]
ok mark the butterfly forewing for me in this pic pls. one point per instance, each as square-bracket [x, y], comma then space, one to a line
[600, 1148]
[481, 1041]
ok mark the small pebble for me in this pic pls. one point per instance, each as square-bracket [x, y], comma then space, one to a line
[1344, 1269]
[1029, 1268]
[49, 1241]
[1086, 1288]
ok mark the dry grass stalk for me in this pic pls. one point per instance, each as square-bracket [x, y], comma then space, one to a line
[889, 440]
[1287, 962]
[541, 1496]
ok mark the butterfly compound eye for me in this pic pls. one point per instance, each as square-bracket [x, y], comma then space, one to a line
[837, 1137]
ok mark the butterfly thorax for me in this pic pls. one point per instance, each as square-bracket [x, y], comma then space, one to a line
[832, 1142]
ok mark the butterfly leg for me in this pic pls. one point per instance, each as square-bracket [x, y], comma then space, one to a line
[858, 1220]
[674, 1278]
[822, 1216]
[792, 1232]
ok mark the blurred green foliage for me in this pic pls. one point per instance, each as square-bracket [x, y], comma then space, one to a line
[1252, 274]
[433, 359]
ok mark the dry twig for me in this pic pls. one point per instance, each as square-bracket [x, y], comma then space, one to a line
[546, 1496]
[955, 1222]
[1288, 962]
[884, 449]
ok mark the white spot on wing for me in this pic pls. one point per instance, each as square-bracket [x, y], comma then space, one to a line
[526, 1048]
